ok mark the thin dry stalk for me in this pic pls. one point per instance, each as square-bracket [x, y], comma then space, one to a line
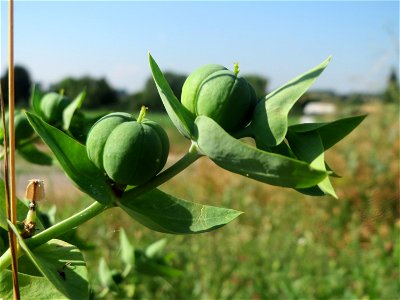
[10, 174]
[11, 235]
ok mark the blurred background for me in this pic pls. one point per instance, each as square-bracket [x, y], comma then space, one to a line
[286, 245]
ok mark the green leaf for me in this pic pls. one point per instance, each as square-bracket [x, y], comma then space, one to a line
[308, 147]
[165, 213]
[155, 248]
[36, 97]
[238, 157]
[127, 249]
[177, 113]
[74, 160]
[33, 155]
[69, 111]
[105, 275]
[30, 287]
[331, 132]
[62, 264]
[270, 119]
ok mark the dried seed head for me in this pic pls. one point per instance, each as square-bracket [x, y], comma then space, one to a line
[35, 190]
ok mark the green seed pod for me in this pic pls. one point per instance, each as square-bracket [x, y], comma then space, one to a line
[52, 106]
[129, 151]
[216, 92]
[23, 130]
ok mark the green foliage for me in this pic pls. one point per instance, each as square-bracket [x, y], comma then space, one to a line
[23, 130]
[238, 157]
[392, 92]
[72, 157]
[166, 213]
[149, 95]
[99, 92]
[122, 281]
[270, 117]
[62, 264]
[179, 115]
[283, 156]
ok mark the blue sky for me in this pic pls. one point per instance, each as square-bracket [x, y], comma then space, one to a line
[279, 40]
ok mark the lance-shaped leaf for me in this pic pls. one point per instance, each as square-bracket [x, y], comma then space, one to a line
[166, 213]
[308, 146]
[155, 248]
[30, 287]
[177, 113]
[73, 159]
[36, 97]
[69, 111]
[127, 249]
[330, 132]
[238, 157]
[105, 275]
[270, 118]
[62, 264]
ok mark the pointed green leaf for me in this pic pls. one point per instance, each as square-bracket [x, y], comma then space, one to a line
[238, 157]
[331, 132]
[105, 275]
[74, 160]
[308, 147]
[62, 264]
[165, 213]
[69, 111]
[155, 248]
[270, 119]
[127, 249]
[33, 155]
[177, 113]
[30, 287]
[36, 97]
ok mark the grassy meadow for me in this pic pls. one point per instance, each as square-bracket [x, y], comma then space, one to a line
[286, 245]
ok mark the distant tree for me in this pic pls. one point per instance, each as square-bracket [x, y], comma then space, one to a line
[259, 83]
[99, 92]
[22, 84]
[150, 97]
[392, 92]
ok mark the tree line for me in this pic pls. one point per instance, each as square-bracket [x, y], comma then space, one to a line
[100, 94]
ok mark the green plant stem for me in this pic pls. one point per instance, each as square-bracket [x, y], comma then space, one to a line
[57, 230]
[190, 157]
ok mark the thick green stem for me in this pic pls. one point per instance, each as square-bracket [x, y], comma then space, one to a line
[57, 230]
[190, 157]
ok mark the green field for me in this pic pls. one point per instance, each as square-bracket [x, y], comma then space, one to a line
[286, 245]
